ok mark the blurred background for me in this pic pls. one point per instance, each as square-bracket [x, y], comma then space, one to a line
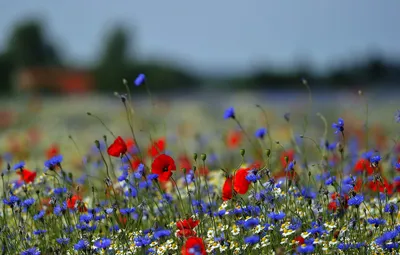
[61, 59]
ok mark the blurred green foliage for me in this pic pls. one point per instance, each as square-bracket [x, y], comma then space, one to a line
[28, 46]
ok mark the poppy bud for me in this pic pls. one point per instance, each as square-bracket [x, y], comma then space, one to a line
[97, 144]
[195, 156]
[242, 152]
[203, 156]
[105, 138]
[286, 159]
[268, 152]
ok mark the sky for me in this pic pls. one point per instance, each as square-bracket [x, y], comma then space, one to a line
[219, 35]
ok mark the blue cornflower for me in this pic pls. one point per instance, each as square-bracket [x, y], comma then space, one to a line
[81, 245]
[356, 200]
[31, 251]
[167, 197]
[339, 126]
[19, 165]
[330, 180]
[252, 176]
[308, 193]
[123, 176]
[102, 243]
[295, 224]
[152, 176]
[375, 160]
[59, 191]
[145, 184]
[305, 248]
[39, 215]
[53, 162]
[391, 208]
[397, 116]
[376, 222]
[132, 192]
[162, 233]
[252, 239]
[260, 133]
[109, 210]
[114, 228]
[142, 241]
[189, 178]
[127, 210]
[28, 202]
[290, 166]
[277, 216]
[229, 113]
[251, 223]
[86, 218]
[11, 201]
[63, 241]
[140, 79]
[39, 232]
[139, 171]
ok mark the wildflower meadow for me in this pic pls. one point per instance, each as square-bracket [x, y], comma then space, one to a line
[330, 188]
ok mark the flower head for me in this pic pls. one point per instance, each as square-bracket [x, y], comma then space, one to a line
[229, 113]
[240, 183]
[260, 133]
[140, 79]
[117, 148]
[397, 116]
[194, 246]
[339, 126]
[356, 200]
[163, 165]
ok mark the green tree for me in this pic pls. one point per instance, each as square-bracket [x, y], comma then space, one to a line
[113, 63]
[28, 46]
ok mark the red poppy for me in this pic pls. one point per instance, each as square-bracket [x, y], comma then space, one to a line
[194, 245]
[186, 227]
[234, 139]
[73, 200]
[227, 189]
[117, 148]
[358, 185]
[187, 224]
[135, 163]
[184, 162]
[241, 184]
[156, 147]
[202, 170]
[397, 185]
[186, 233]
[53, 151]
[290, 157]
[332, 206]
[364, 165]
[26, 175]
[299, 239]
[163, 165]
[377, 185]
